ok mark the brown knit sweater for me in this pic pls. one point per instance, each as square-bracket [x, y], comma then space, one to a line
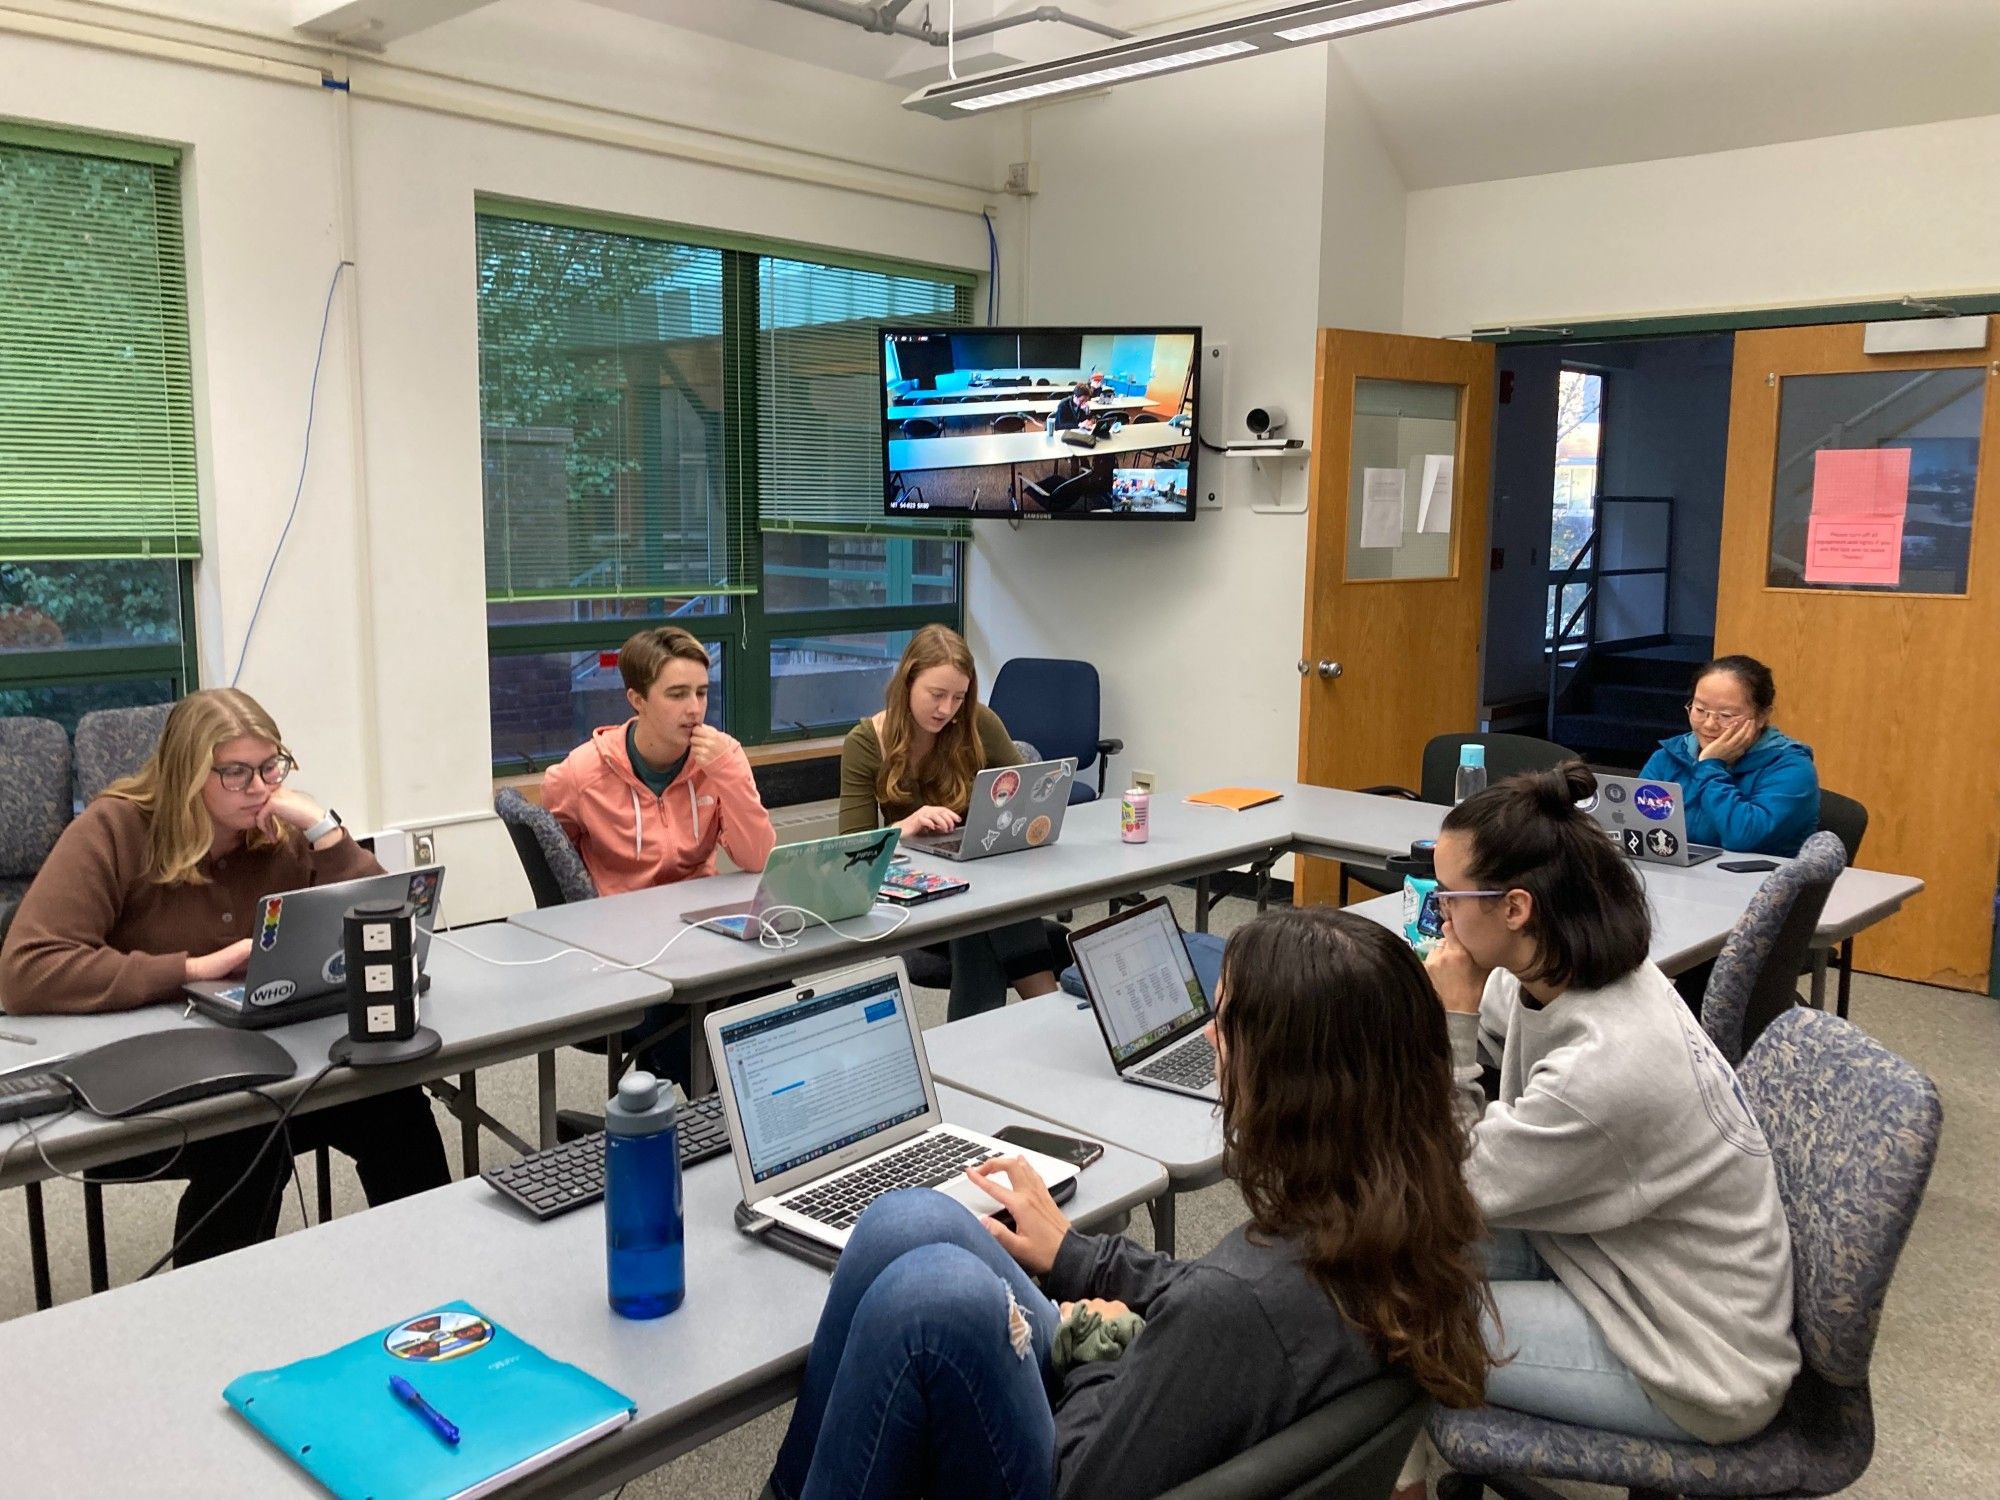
[95, 933]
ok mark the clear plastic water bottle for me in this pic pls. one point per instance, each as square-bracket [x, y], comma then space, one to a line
[643, 1208]
[1471, 773]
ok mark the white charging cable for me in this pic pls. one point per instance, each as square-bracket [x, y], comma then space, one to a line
[768, 937]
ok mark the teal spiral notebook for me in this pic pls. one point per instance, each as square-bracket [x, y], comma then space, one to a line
[516, 1409]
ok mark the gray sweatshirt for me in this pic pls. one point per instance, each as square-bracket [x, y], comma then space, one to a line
[1622, 1145]
[1237, 1346]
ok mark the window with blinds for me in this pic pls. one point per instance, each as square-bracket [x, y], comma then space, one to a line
[96, 398]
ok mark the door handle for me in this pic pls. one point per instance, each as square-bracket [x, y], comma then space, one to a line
[1328, 670]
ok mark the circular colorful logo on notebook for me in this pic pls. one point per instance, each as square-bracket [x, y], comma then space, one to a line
[1005, 785]
[1038, 830]
[438, 1336]
[1654, 801]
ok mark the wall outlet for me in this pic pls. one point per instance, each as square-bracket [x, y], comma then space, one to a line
[1024, 178]
[1143, 780]
[423, 847]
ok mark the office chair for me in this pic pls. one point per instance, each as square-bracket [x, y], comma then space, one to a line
[1756, 976]
[1853, 1131]
[1053, 703]
[1010, 422]
[1058, 496]
[1352, 1448]
[114, 742]
[1506, 755]
[1847, 820]
[922, 427]
[894, 489]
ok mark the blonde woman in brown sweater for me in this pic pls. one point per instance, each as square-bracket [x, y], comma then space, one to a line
[156, 884]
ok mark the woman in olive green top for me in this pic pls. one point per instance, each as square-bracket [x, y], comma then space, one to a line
[913, 765]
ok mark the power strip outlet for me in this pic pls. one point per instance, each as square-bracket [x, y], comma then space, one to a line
[1143, 780]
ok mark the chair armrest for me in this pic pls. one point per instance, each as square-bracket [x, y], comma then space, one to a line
[1106, 748]
[1389, 791]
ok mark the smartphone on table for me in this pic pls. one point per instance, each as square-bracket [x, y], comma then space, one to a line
[1072, 1149]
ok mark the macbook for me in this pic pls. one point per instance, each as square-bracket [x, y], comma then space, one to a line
[832, 879]
[1647, 819]
[830, 1104]
[1149, 1001]
[298, 964]
[1012, 807]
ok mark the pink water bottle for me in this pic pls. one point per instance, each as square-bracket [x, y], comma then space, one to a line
[1135, 815]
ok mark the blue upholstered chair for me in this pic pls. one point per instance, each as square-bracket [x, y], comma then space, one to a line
[1756, 976]
[1053, 703]
[1853, 1131]
[34, 803]
[114, 742]
[555, 871]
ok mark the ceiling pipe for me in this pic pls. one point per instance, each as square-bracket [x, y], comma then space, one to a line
[883, 21]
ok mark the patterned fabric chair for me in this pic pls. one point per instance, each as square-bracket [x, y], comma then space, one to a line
[34, 802]
[555, 871]
[1756, 977]
[114, 742]
[1853, 1130]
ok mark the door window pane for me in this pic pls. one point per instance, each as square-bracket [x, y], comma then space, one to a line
[1874, 480]
[1402, 428]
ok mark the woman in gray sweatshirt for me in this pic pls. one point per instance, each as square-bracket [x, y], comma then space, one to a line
[935, 1371]
[1641, 1261]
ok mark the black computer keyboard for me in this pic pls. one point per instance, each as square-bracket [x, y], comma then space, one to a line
[929, 1161]
[1190, 1065]
[568, 1176]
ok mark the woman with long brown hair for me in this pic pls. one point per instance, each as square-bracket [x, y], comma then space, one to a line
[155, 884]
[913, 765]
[933, 1356]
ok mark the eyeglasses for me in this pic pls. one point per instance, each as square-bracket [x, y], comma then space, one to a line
[1443, 896]
[236, 776]
[1713, 715]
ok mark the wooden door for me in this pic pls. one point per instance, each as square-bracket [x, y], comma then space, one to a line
[1392, 632]
[1896, 691]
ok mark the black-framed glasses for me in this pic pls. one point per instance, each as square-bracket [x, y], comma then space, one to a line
[237, 775]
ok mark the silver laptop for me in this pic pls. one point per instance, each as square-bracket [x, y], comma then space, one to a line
[1647, 819]
[830, 1104]
[1149, 1001]
[1012, 807]
[832, 879]
[298, 966]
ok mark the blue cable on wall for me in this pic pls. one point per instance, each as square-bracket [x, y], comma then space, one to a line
[305, 458]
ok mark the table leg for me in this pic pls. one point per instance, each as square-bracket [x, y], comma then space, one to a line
[38, 1249]
[1818, 978]
[1162, 1211]
[1201, 903]
[93, 1234]
[701, 1077]
[468, 1123]
[545, 1096]
[1846, 978]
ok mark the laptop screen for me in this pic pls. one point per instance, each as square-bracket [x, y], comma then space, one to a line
[1141, 980]
[823, 1074]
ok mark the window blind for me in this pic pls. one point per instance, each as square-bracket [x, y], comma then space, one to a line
[97, 452]
[604, 424]
[819, 409]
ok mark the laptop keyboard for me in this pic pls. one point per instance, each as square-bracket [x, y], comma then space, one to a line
[552, 1182]
[929, 1161]
[1190, 1065]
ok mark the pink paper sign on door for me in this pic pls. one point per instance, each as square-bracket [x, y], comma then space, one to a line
[1855, 532]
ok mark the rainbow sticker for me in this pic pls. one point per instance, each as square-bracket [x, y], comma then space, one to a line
[438, 1336]
[267, 934]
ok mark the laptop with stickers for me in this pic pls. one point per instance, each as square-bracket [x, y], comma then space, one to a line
[1647, 819]
[1012, 807]
[298, 967]
[828, 879]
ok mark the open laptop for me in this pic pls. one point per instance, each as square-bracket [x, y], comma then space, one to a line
[833, 879]
[298, 966]
[830, 1104]
[1012, 807]
[1149, 1001]
[1647, 819]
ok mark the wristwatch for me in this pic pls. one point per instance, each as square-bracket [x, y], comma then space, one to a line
[323, 827]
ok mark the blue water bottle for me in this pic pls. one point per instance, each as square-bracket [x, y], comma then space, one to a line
[643, 1209]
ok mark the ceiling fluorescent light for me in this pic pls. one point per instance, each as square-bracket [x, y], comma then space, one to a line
[1191, 47]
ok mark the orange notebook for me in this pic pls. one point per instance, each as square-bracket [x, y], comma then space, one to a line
[1236, 798]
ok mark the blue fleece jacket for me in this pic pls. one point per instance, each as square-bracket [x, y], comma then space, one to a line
[1767, 803]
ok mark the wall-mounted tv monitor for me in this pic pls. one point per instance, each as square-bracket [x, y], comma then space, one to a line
[1067, 424]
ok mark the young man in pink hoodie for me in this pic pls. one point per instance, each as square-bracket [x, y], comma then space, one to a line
[647, 801]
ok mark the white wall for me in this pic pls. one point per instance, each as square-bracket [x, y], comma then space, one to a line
[1876, 214]
[371, 648]
[1194, 627]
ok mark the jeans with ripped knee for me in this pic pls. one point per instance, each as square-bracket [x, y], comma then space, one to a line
[928, 1374]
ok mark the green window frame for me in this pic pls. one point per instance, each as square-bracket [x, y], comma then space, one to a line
[99, 508]
[785, 314]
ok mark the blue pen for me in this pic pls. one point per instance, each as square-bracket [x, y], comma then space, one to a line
[408, 1394]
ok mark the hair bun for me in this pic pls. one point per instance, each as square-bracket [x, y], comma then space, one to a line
[1565, 786]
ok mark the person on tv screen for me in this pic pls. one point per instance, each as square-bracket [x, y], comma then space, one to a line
[1073, 410]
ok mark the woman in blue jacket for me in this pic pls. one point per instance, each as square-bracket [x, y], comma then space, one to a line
[1750, 788]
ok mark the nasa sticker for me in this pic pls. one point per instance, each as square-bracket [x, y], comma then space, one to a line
[1663, 843]
[438, 1336]
[267, 931]
[272, 991]
[334, 970]
[1654, 801]
[1038, 830]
